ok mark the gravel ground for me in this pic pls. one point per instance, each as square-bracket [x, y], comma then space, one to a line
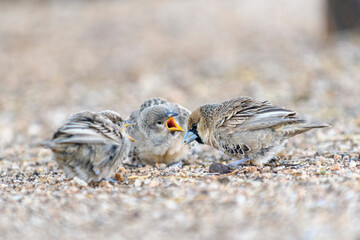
[59, 57]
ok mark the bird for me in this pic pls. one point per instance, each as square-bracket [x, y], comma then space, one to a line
[90, 145]
[246, 129]
[158, 129]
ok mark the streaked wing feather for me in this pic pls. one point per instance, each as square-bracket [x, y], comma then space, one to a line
[87, 132]
[246, 114]
[84, 139]
[261, 124]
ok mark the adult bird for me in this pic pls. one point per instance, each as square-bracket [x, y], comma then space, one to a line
[247, 129]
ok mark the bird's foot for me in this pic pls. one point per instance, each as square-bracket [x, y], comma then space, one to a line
[178, 164]
[239, 163]
[220, 168]
[133, 165]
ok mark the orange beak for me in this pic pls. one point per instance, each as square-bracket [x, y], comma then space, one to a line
[172, 125]
[123, 130]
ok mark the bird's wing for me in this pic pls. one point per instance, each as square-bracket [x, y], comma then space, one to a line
[87, 128]
[246, 114]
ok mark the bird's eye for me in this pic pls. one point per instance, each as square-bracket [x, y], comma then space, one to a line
[159, 122]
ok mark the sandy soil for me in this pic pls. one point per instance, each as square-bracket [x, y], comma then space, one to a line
[59, 57]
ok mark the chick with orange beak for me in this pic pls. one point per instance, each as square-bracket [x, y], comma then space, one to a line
[159, 128]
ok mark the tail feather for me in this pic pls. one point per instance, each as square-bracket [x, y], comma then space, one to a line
[47, 144]
[295, 129]
[315, 125]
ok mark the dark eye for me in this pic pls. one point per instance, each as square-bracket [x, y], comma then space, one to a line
[159, 122]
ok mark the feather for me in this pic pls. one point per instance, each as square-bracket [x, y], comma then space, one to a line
[246, 128]
[90, 145]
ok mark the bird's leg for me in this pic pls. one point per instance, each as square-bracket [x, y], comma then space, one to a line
[239, 162]
[220, 168]
[176, 164]
[112, 180]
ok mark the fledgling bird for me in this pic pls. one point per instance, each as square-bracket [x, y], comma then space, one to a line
[158, 130]
[246, 129]
[90, 146]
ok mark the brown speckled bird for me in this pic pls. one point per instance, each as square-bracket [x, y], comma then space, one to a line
[90, 146]
[158, 130]
[244, 128]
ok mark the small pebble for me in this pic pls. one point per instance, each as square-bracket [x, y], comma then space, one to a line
[105, 184]
[138, 183]
[120, 177]
[251, 169]
[352, 164]
[79, 182]
[335, 168]
[219, 168]
[337, 157]
[154, 183]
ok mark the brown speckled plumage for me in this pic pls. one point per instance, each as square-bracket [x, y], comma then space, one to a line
[90, 145]
[246, 128]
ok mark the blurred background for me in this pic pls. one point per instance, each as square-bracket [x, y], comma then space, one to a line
[59, 57]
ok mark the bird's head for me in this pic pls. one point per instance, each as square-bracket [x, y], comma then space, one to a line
[195, 127]
[159, 122]
[116, 119]
[199, 124]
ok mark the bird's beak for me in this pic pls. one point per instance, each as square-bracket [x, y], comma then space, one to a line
[189, 137]
[172, 125]
[128, 123]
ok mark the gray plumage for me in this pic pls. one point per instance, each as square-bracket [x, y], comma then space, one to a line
[245, 128]
[158, 130]
[90, 145]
